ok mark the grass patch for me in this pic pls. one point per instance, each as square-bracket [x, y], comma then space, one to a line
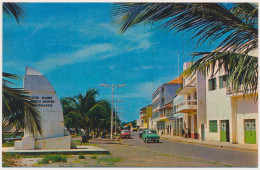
[78, 142]
[76, 136]
[109, 161]
[227, 166]
[6, 159]
[82, 157]
[53, 158]
[8, 144]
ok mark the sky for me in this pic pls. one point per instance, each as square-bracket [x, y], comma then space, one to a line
[77, 47]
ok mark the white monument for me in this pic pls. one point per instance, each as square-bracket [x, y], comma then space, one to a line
[54, 136]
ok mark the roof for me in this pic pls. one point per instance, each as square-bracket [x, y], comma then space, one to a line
[176, 81]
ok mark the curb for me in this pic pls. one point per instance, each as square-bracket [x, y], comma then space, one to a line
[214, 145]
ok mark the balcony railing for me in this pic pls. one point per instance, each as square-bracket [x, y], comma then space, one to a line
[162, 115]
[230, 91]
[186, 106]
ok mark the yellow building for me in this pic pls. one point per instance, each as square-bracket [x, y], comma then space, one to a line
[145, 115]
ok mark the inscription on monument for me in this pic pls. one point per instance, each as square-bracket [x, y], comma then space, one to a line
[43, 101]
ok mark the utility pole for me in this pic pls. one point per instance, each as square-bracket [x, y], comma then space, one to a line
[113, 85]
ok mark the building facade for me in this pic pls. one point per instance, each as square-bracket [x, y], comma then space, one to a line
[193, 104]
[231, 116]
[145, 115]
[161, 100]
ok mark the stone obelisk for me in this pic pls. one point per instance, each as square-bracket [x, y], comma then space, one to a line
[54, 136]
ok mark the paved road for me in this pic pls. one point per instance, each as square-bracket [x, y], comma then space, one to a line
[231, 157]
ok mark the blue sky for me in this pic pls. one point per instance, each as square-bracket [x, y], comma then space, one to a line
[77, 47]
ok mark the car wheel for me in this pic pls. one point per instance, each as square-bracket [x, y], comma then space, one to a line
[144, 140]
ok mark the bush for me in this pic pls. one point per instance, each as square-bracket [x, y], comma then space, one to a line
[53, 158]
[82, 157]
[93, 157]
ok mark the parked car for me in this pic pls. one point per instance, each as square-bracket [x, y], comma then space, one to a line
[140, 133]
[150, 135]
[125, 134]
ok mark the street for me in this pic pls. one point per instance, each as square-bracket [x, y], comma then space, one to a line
[181, 154]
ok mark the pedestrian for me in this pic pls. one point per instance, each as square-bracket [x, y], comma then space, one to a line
[83, 136]
[119, 139]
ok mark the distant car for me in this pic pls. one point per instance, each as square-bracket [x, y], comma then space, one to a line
[125, 134]
[134, 129]
[140, 133]
[150, 135]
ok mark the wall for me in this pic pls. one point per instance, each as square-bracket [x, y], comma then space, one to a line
[218, 107]
[201, 102]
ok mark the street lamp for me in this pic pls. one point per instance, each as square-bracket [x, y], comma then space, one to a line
[113, 85]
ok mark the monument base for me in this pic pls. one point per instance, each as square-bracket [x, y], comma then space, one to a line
[27, 143]
[64, 142]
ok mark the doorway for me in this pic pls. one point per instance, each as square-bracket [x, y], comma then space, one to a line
[224, 131]
[250, 131]
[202, 132]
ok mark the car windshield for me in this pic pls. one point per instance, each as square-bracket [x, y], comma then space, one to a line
[125, 131]
[151, 132]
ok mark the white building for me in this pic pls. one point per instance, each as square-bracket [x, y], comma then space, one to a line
[162, 96]
[193, 104]
[231, 117]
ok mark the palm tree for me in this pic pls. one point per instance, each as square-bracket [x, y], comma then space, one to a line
[19, 110]
[91, 112]
[71, 117]
[235, 25]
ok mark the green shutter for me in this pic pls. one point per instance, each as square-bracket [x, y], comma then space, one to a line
[221, 82]
[213, 126]
[215, 83]
[210, 85]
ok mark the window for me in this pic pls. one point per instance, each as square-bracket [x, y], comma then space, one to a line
[213, 126]
[212, 84]
[222, 81]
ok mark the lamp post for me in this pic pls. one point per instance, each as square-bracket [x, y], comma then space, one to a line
[113, 85]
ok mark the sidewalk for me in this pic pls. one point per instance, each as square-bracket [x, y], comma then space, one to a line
[250, 147]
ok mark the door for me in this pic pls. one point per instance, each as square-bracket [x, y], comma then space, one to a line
[181, 127]
[177, 129]
[224, 131]
[250, 131]
[202, 132]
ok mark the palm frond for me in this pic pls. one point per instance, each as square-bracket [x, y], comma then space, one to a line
[20, 109]
[14, 9]
[242, 69]
[208, 21]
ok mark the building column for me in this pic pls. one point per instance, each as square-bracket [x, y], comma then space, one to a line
[234, 120]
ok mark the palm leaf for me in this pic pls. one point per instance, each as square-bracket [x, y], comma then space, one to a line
[242, 69]
[14, 9]
[20, 109]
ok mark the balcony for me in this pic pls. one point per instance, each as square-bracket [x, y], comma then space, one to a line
[186, 106]
[187, 90]
[233, 92]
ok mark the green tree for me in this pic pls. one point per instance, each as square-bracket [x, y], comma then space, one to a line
[19, 110]
[71, 117]
[234, 25]
[91, 113]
